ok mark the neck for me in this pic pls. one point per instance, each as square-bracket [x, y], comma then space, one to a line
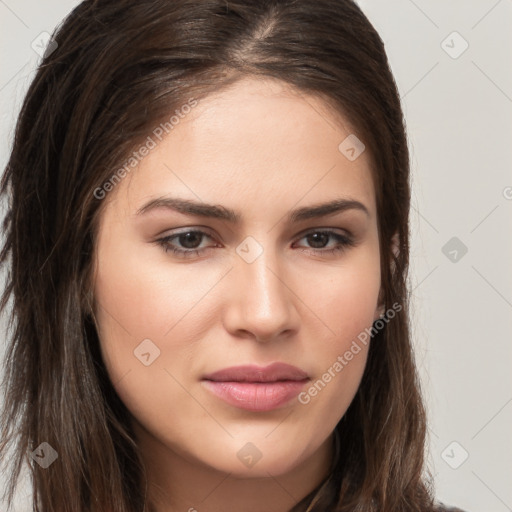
[177, 483]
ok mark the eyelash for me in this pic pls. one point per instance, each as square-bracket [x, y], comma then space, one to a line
[343, 243]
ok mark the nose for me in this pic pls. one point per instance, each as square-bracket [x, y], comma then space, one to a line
[262, 304]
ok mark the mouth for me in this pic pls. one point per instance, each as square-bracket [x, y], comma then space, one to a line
[256, 388]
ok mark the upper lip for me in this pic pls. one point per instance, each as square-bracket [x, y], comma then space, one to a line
[251, 373]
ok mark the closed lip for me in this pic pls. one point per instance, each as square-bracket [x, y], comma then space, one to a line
[251, 373]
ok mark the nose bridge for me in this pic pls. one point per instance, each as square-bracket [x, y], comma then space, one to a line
[263, 280]
[264, 302]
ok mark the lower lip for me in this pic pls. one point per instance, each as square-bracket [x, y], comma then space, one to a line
[256, 396]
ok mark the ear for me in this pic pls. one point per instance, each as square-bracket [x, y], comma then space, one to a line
[381, 306]
[87, 295]
[87, 301]
[87, 298]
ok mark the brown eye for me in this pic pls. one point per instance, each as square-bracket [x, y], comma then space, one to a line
[319, 240]
[190, 240]
[184, 244]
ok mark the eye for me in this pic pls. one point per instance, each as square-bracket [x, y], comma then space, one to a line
[190, 242]
[319, 240]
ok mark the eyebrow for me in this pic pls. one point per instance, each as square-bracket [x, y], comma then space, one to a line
[190, 207]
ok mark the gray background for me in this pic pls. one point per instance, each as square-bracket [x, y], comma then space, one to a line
[458, 114]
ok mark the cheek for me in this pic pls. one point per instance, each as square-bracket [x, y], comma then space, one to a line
[149, 314]
[142, 324]
[344, 297]
[139, 297]
[345, 301]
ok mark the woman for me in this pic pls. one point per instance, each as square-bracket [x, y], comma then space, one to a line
[207, 238]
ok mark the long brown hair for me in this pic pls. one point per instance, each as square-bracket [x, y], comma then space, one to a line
[121, 68]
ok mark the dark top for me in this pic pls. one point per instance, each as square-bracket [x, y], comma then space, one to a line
[445, 508]
[315, 502]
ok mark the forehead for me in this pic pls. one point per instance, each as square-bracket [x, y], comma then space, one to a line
[257, 145]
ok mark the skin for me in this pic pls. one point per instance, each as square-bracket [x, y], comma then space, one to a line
[262, 149]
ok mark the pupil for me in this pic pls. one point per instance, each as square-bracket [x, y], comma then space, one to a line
[187, 239]
[316, 237]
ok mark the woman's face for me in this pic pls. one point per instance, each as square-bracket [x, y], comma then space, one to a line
[260, 278]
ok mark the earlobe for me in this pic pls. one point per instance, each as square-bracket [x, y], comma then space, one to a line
[87, 295]
[87, 302]
[381, 307]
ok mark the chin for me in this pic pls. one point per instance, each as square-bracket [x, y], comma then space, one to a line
[258, 459]
[267, 466]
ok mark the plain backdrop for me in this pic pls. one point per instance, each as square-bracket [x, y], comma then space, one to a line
[453, 66]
